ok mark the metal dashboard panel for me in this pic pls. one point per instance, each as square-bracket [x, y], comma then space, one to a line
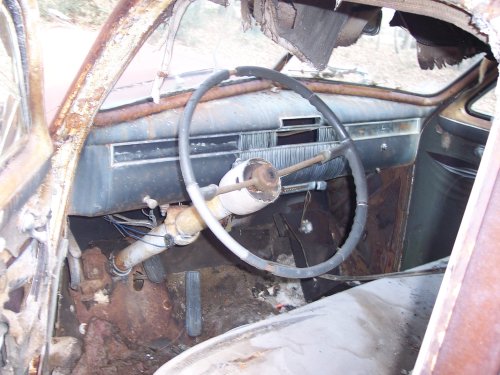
[115, 175]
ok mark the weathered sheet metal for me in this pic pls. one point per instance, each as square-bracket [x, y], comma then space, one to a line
[20, 177]
[23, 313]
[142, 316]
[120, 38]
[464, 332]
[375, 328]
[130, 24]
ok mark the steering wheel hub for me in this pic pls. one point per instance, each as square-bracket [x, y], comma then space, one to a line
[266, 178]
[248, 200]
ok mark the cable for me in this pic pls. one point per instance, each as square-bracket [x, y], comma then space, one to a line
[119, 229]
[285, 221]
[383, 275]
[307, 201]
[131, 235]
[129, 232]
[136, 223]
[137, 231]
[112, 220]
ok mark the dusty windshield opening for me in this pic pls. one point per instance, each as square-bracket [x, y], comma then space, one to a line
[67, 31]
[212, 37]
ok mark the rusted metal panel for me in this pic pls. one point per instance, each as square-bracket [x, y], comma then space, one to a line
[25, 166]
[463, 336]
[127, 28]
[120, 38]
[142, 316]
[380, 250]
[125, 31]
[25, 316]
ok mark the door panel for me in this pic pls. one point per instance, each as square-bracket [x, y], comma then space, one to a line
[449, 154]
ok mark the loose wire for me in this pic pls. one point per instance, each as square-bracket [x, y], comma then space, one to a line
[131, 232]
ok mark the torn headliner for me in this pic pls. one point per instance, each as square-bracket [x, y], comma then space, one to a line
[311, 29]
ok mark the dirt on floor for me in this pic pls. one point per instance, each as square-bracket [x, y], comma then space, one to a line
[232, 297]
[112, 343]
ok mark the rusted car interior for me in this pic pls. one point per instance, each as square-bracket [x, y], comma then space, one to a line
[297, 216]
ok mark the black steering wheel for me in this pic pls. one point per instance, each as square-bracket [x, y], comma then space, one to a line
[346, 148]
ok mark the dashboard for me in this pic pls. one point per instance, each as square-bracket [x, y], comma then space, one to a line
[123, 163]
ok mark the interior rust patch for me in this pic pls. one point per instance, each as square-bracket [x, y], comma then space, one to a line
[141, 316]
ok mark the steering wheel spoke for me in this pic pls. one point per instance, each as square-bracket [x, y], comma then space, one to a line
[267, 177]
